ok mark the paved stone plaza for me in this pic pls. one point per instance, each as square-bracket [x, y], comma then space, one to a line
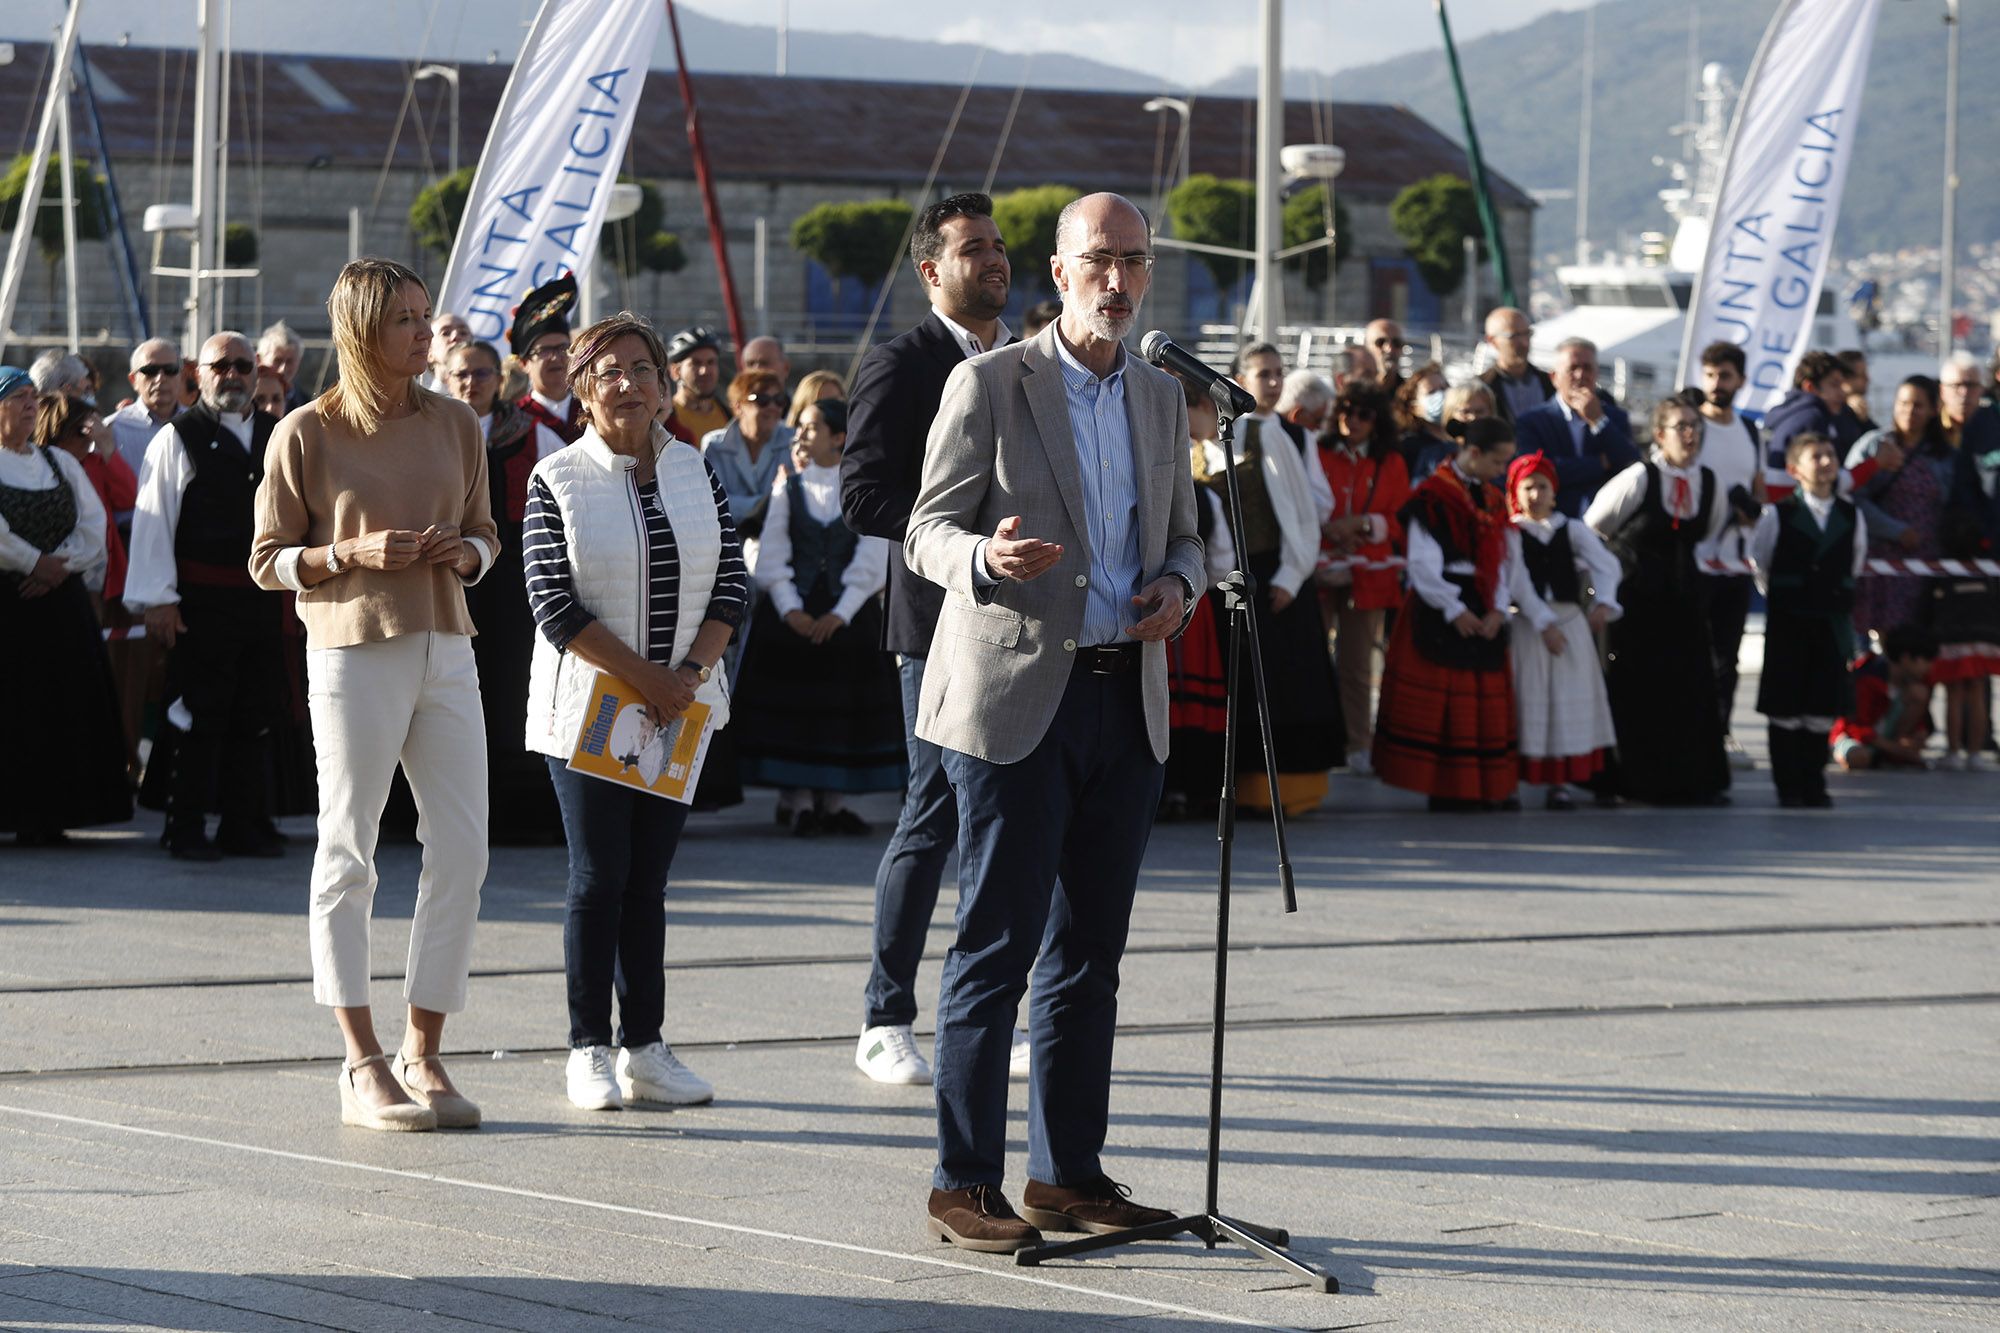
[1610, 1070]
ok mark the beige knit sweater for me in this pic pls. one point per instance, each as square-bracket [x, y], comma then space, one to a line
[323, 483]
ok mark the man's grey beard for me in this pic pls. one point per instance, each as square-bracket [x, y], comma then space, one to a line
[233, 401]
[1107, 329]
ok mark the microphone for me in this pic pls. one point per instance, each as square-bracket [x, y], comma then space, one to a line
[1231, 399]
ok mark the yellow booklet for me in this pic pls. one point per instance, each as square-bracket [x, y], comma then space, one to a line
[621, 741]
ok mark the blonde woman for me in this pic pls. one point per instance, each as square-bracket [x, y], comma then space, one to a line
[374, 510]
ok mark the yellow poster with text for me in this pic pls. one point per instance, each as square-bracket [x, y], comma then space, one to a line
[623, 741]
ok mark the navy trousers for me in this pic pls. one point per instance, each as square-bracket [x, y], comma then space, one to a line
[1078, 810]
[906, 883]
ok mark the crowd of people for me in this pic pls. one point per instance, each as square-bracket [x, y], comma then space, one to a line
[249, 602]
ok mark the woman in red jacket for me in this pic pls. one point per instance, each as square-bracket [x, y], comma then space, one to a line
[1358, 575]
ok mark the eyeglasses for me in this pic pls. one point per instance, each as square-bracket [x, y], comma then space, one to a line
[545, 353]
[473, 375]
[762, 400]
[1358, 412]
[1681, 427]
[639, 374]
[1099, 262]
[238, 365]
[154, 372]
[1390, 342]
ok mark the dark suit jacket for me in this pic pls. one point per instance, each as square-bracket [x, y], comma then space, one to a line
[1578, 476]
[889, 411]
[1491, 379]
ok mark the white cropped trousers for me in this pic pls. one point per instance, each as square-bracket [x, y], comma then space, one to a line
[412, 699]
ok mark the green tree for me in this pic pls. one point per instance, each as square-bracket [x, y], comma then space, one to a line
[93, 220]
[1305, 220]
[439, 208]
[1027, 222]
[636, 243]
[854, 240]
[239, 245]
[1208, 211]
[1433, 217]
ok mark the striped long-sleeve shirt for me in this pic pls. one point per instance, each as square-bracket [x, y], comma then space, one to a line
[552, 596]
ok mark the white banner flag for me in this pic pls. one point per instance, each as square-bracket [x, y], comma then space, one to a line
[1772, 231]
[551, 157]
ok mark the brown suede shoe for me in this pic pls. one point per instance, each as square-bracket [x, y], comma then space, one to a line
[1098, 1206]
[979, 1218]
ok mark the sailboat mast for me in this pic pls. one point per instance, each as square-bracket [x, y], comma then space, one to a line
[1267, 293]
[31, 194]
[1583, 135]
[204, 251]
[66, 148]
[1948, 246]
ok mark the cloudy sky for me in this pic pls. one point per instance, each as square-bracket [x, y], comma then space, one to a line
[1182, 41]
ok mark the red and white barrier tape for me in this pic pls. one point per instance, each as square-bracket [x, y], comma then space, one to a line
[1958, 569]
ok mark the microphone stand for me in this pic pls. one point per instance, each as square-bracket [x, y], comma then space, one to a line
[1211, 1225]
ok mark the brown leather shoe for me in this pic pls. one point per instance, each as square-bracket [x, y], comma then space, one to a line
[979, 1218]
[1098, 1206]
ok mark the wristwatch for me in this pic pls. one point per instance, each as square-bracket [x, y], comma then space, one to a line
[333, 565]
[701, 672]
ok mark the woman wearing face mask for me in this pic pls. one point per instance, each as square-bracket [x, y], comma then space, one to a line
[1446, 723]
[1416, 412]
[1660, 676]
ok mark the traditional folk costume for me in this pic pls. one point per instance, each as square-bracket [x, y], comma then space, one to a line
[1446, 722]
[1198, 677]
[64, 753]
[1880, 713]
[1564, 714]
[1357, 589]
[231, 686]
[523, 805]
[1660, 674]
[821, 718]
[1280, 525]
[1808, 554]
[542, 311]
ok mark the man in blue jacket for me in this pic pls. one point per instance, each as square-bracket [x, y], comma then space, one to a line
[1818, 393]
[1582, 430]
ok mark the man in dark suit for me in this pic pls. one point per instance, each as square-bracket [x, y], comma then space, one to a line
[1517, 384]
[963, 265]
[1582, 430]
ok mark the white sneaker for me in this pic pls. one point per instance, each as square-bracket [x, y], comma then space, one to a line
[591, 1085]
[1978, 761]
[1956, 761]
[1360, 764]
[655, 1074]
[888, 1054]
[1017, 1063]
[1739, 758]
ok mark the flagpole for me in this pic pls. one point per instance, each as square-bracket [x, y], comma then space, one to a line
[1489, 218]
[711, 211]
[1948, 267]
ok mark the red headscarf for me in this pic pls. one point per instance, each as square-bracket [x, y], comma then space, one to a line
[1527, 465]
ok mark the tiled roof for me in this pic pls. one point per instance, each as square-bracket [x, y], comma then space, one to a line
[757, 127]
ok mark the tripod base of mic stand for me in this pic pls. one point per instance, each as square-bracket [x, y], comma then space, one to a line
[1211, 1228]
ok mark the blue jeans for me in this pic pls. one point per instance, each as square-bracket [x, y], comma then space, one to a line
[1078, 810]
[621, 845]
[906, 883]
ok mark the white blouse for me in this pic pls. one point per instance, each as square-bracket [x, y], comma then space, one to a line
[151, 579]
[865, 573]
[83, 550]
[1427, 567]
[1621, 497]
[1764, 541]
[1596, 567]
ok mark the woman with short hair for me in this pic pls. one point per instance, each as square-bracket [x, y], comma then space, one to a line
[634, 569]
[60, 729]
[748, 453]
[374, 510]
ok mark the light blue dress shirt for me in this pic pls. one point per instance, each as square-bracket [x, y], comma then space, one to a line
[1110, 496]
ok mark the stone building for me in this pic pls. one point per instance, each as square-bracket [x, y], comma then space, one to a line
[313, 137]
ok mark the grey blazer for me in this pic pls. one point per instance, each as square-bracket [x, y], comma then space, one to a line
[1001, 445]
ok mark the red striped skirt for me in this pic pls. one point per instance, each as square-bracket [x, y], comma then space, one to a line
[1445, 731]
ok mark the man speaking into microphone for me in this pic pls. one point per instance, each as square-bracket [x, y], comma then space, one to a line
[1057, 511]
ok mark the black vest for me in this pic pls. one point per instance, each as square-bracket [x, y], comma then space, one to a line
[1812, 569]
[217, 522]
[1552, 566]
[820, 551]
[1655, 548]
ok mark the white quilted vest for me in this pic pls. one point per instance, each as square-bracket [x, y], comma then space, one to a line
[606, 540]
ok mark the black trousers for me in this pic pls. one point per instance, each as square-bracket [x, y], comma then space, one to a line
[1798, 762]
[227, 670]
[1728, 611]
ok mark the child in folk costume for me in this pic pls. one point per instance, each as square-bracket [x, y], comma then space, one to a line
[1661, 676]
[1564, 716]
[1808, 551]
[818, 702]
[1197, 674]
[1891, 719]
[1963, 610]
[1446, 722]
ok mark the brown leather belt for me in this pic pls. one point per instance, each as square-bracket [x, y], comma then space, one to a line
[1109, 660]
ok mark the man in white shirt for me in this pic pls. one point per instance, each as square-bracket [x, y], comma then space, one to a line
[1260, 369]
[1730, 449]
[155, 377]
[190, 577]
